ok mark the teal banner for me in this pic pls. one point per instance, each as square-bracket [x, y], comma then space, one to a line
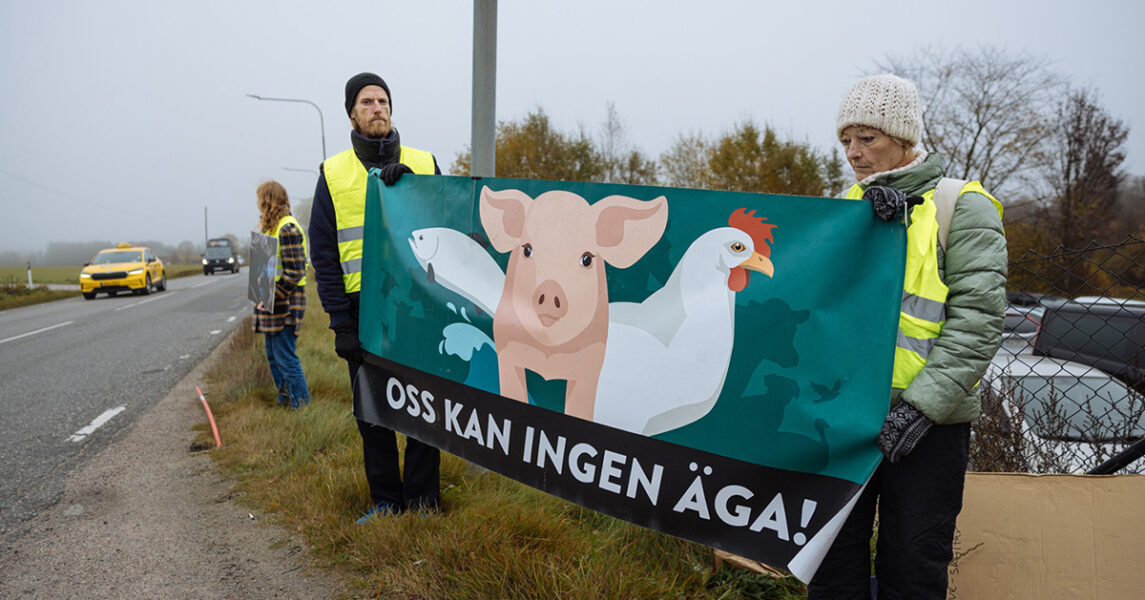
[715, 365]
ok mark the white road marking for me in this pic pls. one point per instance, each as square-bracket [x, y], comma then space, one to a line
[207, 282]
[152, 299]
[41, 330]
[216, 331]
[231, 319]
[184, 357]
[96, 424]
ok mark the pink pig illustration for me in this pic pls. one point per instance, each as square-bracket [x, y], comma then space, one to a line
[552, 318]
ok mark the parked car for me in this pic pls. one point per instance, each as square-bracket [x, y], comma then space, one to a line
[1107, 333]
[1034, 299]
[1021, 328]
[1024, 311]
[123, 268]
[1074, 416]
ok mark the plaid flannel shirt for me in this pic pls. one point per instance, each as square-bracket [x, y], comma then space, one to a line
[289, 297]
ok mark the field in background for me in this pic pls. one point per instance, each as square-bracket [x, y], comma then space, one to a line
[70, 274]
[53, 274]
[494, 539]
[14, 280]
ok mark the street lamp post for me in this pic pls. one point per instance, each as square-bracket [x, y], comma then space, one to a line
[483, 126]
[321, 120]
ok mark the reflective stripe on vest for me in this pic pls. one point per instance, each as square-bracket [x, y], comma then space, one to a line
[923, 310]
[305, 248]
[346, 179]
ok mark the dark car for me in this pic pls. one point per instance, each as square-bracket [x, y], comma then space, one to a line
[1107, 333]
[1033, 299]
[1024, 312]
[220, 256]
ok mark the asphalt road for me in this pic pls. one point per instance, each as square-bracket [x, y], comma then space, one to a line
[75, 373]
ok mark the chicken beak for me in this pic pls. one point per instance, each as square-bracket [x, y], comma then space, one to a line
[759, 262]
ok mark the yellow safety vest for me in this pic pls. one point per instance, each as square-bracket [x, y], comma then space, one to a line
[923, 311]
[346, 180]
[305, 248]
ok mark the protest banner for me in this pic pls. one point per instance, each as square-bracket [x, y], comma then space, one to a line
[713, 365]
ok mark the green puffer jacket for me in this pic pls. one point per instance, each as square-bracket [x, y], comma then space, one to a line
[974, 268]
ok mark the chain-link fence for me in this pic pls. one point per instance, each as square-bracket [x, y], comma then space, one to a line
[1064, 393]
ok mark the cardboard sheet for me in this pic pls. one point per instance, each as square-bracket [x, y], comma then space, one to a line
[1050, 536]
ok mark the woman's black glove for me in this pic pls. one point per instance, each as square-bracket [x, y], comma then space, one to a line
[391, 173]
[903, 428]
[888, 203]
[346, 342]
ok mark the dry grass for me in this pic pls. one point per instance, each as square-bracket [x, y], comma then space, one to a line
[13, 295]
[494, 539]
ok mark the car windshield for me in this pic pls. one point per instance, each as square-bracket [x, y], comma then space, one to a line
[1095, 409]
[118, 256]
[218, 252]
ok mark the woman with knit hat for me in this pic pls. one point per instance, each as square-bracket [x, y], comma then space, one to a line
[950, 326]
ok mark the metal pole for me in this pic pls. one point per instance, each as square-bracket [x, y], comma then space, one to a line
[483, 147]
[321, 119]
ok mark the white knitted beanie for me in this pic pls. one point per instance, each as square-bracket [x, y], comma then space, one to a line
[885, 102]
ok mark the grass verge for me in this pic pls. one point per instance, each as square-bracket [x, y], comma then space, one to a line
[14, 295]
[495, 538]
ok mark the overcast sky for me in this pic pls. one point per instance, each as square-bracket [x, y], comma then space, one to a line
[122, 120]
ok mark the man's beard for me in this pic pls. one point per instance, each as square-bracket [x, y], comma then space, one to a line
[374, 130]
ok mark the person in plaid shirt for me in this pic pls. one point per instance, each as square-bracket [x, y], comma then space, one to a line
[281, 324]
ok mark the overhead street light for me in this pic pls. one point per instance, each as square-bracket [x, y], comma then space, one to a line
[321, 120]
[302, 170]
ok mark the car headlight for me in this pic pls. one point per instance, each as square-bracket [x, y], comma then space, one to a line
[204, 261]
[85, 275]
[231, 260]
[135, 272]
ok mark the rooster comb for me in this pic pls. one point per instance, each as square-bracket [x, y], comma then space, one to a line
[756, 227]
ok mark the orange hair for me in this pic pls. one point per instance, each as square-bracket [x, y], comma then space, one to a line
[273, 204]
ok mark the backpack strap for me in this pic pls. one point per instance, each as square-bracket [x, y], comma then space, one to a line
[945, 197]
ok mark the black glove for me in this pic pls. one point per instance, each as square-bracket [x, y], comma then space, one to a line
[346, 342]
[391, 173]
[902, 429]
[888, 203]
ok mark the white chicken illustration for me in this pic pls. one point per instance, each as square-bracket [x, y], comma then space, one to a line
[666, 358]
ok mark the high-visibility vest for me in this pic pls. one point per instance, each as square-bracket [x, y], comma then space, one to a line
[346, 179]
[305, 249]
[923, 311]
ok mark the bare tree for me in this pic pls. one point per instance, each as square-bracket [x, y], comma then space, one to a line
[985, 111]
[621, 162]
[1083, 166]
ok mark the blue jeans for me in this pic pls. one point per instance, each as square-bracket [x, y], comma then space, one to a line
[286, 369]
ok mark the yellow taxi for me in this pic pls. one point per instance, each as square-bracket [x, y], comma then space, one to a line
[123, 268]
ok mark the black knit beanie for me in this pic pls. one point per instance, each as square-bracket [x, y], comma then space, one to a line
[361, 80]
